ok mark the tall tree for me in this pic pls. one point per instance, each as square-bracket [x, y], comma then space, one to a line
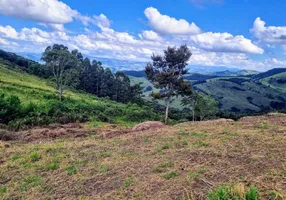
[63, 65]
[122, 87]
[165, 72]
[106, 84]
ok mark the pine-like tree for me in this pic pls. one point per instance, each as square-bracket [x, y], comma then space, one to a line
[166, 72]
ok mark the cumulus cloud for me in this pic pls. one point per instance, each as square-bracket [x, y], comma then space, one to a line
[50, 13]
[101, 21]
[165, 24]
[150, 35]
[184, 32]
[46, 11]
[6, 42]
[8, 32]
[224, 42]
[269, 34]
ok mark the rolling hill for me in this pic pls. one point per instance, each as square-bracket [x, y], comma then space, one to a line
[242, 92]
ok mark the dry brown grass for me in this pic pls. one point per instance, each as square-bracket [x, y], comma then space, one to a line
[183, 161]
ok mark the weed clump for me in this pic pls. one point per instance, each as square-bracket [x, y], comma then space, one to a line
[234, 192]
[71, 170]
[31, 181]
[170, 175]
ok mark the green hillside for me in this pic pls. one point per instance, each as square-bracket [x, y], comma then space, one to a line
[32, 89]
[40, 104]
[277, 81]
[237, 94]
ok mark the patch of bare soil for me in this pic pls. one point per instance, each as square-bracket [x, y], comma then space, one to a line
[53, 131]
[145, 126]
[72, 130]
[149, 125]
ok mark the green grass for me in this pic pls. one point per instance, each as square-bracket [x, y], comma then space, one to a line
[170, 175]
[76, 106]
[275, 85]
[71, 170]
[31, 181]
[234, 192]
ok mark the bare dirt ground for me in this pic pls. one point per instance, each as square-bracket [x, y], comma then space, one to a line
[148, 162]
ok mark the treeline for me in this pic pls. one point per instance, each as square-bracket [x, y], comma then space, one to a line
[27, 65]
[103, 83]
[70, 69]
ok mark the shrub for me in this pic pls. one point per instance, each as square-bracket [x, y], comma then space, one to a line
[10, 108]
[135, 113]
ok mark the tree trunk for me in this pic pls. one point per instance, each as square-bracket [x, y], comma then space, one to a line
[193, 115]
[60, 93]
[167, 110]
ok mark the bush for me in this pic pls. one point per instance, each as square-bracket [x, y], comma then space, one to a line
[135, 113]
[10, 108]
[51, 110]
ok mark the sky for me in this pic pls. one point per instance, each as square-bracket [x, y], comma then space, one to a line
[245, 34]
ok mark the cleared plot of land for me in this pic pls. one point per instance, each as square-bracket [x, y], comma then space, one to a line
[186, 160]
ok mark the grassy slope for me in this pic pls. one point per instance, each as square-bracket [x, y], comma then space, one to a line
[184, 160]
[281, 87]
[229, 97]
[30, 88]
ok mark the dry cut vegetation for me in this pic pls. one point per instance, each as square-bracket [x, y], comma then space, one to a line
[187, 161]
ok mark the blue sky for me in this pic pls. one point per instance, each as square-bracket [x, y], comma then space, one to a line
[246, 34]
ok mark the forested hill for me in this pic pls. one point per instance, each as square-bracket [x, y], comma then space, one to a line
[243, 92]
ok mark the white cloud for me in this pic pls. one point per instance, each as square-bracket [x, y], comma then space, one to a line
[224, 42]
[56, 27]
[8, 32]
[46, 11]
[183, 32]
[101, 21]
[269, 34]
[168, 25]
[109, 43]
[150, 35]
[34, 35]
[50, 13]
